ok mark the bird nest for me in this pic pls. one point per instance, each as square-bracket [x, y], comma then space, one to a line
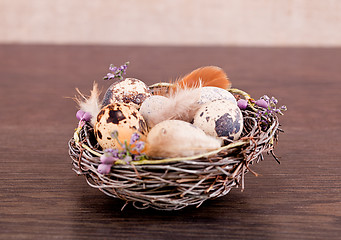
[174, 183]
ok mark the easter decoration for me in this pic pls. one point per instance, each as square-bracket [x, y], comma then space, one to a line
[171, 145]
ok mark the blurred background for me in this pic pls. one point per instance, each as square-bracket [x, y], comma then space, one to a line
[312, 23]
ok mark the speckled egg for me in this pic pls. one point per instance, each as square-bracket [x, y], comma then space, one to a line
[209, 94]
[130, 90]
[151, 108]
[122, 118]
[220, 118]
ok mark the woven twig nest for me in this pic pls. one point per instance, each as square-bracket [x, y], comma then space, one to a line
[174, 183]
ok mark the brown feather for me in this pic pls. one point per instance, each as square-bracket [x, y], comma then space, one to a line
[206, 76]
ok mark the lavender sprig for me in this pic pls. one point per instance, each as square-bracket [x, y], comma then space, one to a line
[111, 156]
[134, 137]
[268, 107]
[139, 146]
[116, 72]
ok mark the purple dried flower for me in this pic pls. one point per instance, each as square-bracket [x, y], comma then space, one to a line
[112, 68]
[139, 146]
[283, 108]
[83, 116]
[262, 103]
[122, 154]
[266, 98]
[104, 168]
[127, 158]
[114, 152]
[134, 137]
[86, 117]
[242, 104]
[109, 76]
[116, 72]
[110, 156]
[268, 108]
[274, 100]
[79, 114]
[107, 158]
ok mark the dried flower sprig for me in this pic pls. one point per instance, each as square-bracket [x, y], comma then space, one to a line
[83, 117]
[110, 156]
[264, 107]
[116, 72]
[242, 104]
[268, 106]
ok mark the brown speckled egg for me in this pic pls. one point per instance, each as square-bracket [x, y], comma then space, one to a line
[130, 90]
[122, 118]
[220, 118]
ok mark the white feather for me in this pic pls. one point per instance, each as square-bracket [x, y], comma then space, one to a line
[91, 104]
[182, 105]
[174, 138]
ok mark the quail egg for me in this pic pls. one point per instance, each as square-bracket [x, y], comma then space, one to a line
[220, 118]
[209, 94]
[151, 108]
[121, 118]
[130, 90]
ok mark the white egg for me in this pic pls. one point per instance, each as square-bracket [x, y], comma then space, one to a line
[220, 118]
[130, 91]
[209, 94]
[151, 108]
[176, 138]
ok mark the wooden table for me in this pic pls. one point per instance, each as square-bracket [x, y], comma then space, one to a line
[42, 198]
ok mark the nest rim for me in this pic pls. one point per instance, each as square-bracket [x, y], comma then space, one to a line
[175, 183]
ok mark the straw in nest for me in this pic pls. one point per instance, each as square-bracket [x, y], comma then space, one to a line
[174, 183]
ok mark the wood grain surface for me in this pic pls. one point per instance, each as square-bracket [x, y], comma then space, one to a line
[42, 198]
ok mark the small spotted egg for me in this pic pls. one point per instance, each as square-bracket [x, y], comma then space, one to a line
[122, 118]
[130, 90]
[209, 94]
[220, 118]
[152, 107]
